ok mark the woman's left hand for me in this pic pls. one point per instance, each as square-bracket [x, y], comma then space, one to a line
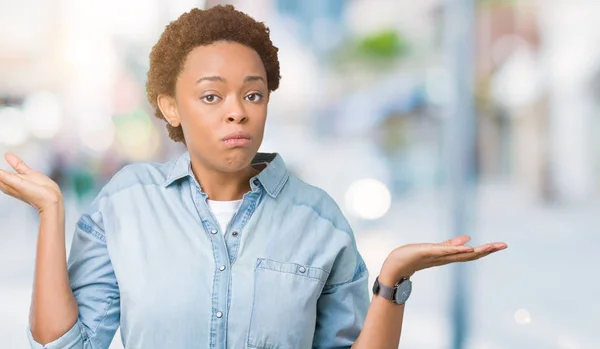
[404, 261]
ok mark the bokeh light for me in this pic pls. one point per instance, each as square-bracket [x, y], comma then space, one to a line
[13, 129]
[43, 115]
[137, 138]
[98, 136]
[522, 317]
[368, 199]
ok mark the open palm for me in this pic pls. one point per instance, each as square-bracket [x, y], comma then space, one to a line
[408, 259]
[29, 185]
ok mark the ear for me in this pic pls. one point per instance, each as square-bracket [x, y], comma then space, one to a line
[168, 107]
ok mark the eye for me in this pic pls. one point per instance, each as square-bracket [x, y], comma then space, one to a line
[254, 97]
[210, 99]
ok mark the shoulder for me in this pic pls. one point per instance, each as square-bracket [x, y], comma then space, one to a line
[131, 177]
[302, 194]
[348, 265]
[138, 174]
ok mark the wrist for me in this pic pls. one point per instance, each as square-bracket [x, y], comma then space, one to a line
[391, 275]
[56, 209]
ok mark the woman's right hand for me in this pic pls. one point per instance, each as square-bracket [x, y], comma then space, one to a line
[29, 185]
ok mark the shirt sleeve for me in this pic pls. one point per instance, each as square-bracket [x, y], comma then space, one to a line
[342, 309]
[95, 287]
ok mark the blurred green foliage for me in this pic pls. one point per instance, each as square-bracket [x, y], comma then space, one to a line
[377, 50]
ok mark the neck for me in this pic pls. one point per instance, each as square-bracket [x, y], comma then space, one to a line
[223, 186]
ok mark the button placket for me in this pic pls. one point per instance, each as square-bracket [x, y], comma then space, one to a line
[220, 287]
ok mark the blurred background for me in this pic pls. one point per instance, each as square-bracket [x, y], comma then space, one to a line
[423, 119]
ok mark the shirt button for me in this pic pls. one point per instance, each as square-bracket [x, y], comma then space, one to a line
[235, 233]
[221, 268]
[256, 182]
[302, 269]
[219, 314]
[214, 231]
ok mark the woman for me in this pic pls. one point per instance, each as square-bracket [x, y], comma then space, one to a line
[221, 247]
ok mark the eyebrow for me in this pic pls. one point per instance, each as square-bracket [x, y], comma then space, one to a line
[250, 78]
[210, 78]
[254, 78]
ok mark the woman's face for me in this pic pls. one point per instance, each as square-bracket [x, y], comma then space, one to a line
[220, 101]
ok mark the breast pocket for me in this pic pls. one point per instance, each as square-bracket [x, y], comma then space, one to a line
[284, 308]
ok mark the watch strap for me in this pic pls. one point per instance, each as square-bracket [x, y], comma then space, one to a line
[386, 292]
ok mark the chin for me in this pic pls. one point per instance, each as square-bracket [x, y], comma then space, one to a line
[237, 161]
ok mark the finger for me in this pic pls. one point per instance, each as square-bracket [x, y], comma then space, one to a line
[493, 246]
[478, 253]
[457, 258]
[447, 250]
[500, 245]
[17, 184]
[461, 258]
[5, 188]
[15, 162]
[471, 257]
[9, 191]
[456, 241]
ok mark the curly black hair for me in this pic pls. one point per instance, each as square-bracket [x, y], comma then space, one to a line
[199, 28]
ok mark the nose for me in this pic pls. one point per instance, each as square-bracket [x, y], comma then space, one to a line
[236, 113]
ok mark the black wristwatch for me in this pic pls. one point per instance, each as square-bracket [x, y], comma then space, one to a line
[398, 294]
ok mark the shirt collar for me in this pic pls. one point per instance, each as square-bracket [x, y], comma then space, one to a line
[272, 178]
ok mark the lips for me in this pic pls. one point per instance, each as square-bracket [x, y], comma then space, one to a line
[237, 139]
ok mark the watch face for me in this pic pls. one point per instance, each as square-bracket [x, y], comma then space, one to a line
[403, 292]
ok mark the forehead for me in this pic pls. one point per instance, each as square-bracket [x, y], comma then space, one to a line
[226, 59]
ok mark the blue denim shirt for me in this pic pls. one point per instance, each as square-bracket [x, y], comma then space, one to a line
[149, 257]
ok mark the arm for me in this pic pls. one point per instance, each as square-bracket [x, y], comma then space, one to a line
[93, 284]
[342, 307]
[345, 318]
[383, 324]
[53, 307]
[341, 314]
[74, 306]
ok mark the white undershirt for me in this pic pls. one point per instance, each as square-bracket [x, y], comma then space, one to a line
[224, 211]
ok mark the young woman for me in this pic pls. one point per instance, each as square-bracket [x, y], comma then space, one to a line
[220, 247]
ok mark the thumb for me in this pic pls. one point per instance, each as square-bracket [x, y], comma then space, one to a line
[16, 163]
